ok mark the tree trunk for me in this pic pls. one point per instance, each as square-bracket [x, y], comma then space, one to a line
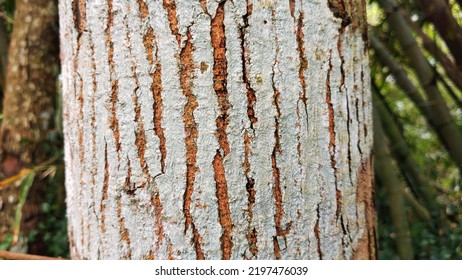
[28, 105]
[217, 129]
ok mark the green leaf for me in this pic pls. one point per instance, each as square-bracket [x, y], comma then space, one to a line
[22, 196]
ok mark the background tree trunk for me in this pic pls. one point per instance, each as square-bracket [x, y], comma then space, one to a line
[217, 129]
[28, 105]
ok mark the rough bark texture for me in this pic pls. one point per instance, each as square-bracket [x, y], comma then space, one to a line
[217, 129]
[29, 102]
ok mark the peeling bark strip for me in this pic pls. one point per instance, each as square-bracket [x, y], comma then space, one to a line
[206, 103]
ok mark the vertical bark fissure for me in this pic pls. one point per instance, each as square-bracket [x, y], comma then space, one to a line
[303, 64]
[93, 112]
[292, 8]
[224, 214]
[204, 6]
[277, 190]
[191, 132]
[113, 121]
[342, 84]
[105, 196]
[123, 231]
[365, 194]
[251, 236]
[358, 145]
[140, 133]
[159, 230]
[317, 234]
[340, 10]
[251, 98]
[79, 14]
[197, 240]
[277, 249]
[94, 170]
[149, 40]
[220, 74]
[170, 6]
[250, 188]
[332, 144]
[343, 224]
[79, 90]
[143, 7]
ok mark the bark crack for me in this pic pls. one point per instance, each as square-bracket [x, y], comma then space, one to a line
[317, 233]
[144, 12]
[170, 6]
[251, 235]
[224, 214]
[220, 75]
[191, 132]
[123, 231]
[332, 144]
[303, 65]
[277, 190]
[104, 198]
[79, 15]
[114, 122]
[149, 40]
[251, 98]
[140, 133]
[339, 10]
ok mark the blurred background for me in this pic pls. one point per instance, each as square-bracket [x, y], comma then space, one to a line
[416, 74]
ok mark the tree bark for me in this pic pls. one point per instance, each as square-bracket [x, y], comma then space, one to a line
[217, 129]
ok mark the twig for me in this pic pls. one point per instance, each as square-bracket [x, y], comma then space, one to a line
[6, 18]
[20, 256]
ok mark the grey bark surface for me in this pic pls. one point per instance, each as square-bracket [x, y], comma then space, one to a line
[217, 129]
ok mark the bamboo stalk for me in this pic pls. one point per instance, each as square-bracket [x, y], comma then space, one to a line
[449, 66]
[401, 151]
[443, 122]
[388, 177]
[440, 15]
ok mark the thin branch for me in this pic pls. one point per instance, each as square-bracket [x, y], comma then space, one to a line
[20, 256]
